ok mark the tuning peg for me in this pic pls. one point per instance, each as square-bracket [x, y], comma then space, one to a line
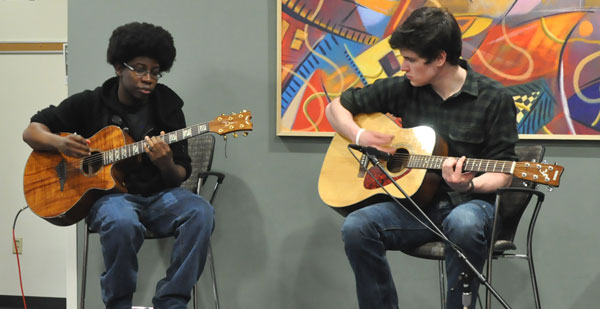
[243, 110]
[224, 137]
[550, 189]
[525, 184]
[235, 135]
[245, 133]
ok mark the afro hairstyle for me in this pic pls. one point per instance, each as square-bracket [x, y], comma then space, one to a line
[141, 40]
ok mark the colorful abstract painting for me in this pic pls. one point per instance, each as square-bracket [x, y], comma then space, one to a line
[547, 53]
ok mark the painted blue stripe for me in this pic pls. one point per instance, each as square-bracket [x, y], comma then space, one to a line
[305, 69]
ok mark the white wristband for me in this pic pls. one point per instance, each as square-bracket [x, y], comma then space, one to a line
[358, 135]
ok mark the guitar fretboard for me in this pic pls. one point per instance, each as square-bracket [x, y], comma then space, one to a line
[470, 165]
[113, 155]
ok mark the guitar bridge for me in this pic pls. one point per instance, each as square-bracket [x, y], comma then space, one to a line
[61, 173]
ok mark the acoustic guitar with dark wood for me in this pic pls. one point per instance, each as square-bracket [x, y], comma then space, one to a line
[61, 189]
[345, 185]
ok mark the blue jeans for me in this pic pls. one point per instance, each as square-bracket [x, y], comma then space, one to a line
[370, 231]
[121, 221]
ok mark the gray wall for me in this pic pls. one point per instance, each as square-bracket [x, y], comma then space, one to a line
[277, 245]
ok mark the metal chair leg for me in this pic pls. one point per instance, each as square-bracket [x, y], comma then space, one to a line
[84, 266]
[213, 276]
[214, 282]
[195, 296]
[488, 293]
[536, 293]
[210, 252]
[490, 257]
[442, 271]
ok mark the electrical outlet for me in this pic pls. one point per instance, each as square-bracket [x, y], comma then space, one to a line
[19, 246]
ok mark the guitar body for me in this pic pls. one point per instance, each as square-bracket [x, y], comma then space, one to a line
[345, 186]
[62, 189]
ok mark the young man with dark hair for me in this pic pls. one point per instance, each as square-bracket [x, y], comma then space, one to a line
[471, 112]
[136, 102]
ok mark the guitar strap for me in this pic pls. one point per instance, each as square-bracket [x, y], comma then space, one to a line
[118, 121]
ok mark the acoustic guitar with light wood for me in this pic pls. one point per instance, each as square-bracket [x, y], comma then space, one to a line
[346, 185]
[61, 189]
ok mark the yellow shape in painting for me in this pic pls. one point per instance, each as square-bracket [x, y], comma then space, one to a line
[474, 25]
[524, 102]
[298, 39]
[284, 27]
[494, 9]
[304, 13]
[368, 61]
[285, 69]
[385, 7]
[586, 28]
[578, 69]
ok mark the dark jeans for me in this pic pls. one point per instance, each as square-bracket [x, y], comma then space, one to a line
[370, 231]
[122, 219]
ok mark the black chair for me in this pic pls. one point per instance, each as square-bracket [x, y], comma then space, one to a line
[511, 203]
[201, 150]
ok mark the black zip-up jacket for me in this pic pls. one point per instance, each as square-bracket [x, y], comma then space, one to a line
[88, 112]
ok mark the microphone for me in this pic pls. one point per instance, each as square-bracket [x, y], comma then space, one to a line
[371, 151]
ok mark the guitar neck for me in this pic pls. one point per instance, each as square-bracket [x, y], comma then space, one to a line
[470, 165]
[121, 153]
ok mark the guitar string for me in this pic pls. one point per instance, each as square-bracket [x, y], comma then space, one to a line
[77, 165]
[470, 162]
[529, 168]
[178, 133]
[97, 157]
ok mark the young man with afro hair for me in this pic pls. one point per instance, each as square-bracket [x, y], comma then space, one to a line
[134, 100]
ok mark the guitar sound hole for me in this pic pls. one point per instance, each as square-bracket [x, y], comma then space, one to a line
[91, 164]
[399, 161]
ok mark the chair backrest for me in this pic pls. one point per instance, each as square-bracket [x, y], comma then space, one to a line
[513, 204]
[201, 149]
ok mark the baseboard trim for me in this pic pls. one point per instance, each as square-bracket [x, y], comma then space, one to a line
[33, 302]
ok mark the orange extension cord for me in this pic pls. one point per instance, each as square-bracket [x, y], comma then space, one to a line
[17, 250]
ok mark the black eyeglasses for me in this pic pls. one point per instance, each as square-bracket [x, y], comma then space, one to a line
[141, 71]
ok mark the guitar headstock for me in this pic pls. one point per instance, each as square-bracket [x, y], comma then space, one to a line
[542, 173]
[232, 123]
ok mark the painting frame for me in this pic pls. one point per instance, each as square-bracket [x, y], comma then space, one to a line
[550, 123]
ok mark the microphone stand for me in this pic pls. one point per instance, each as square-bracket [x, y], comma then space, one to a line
[459, 252]
[466, 290]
